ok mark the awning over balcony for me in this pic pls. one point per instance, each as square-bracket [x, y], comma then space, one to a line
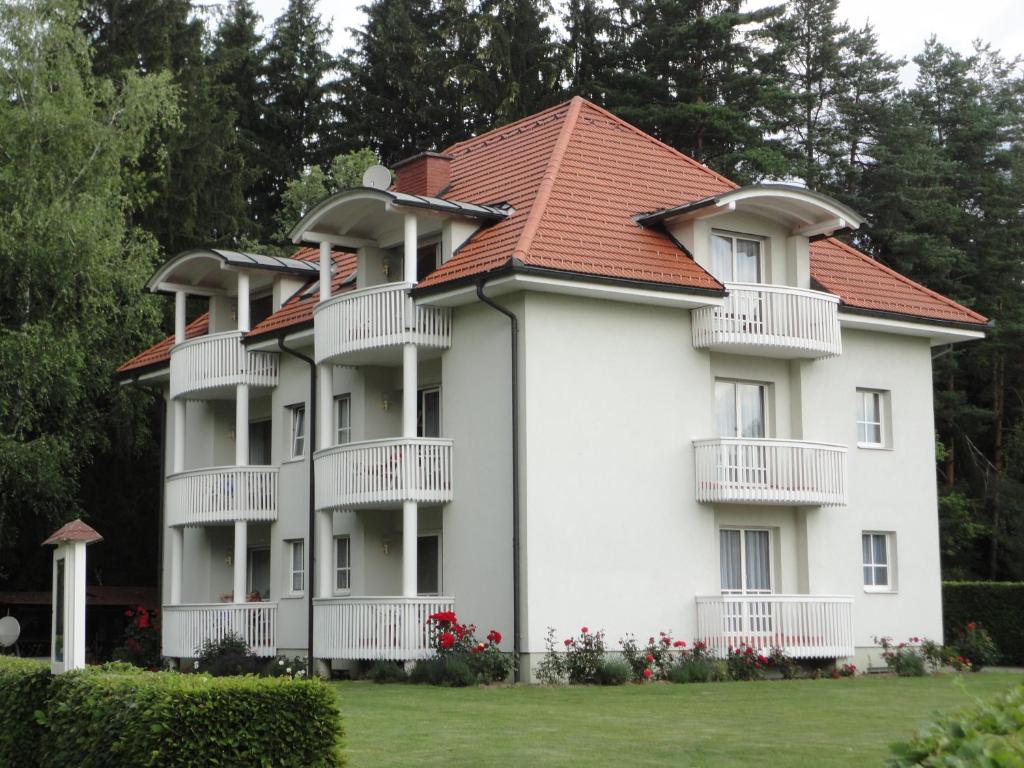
[210, 271]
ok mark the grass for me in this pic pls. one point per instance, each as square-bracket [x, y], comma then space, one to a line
[817, 723]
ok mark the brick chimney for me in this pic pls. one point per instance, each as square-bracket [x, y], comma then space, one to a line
[428, 173]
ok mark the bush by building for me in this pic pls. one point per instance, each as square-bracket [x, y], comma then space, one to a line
[997, 606]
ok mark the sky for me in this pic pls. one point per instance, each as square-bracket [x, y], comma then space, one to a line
[902, 25]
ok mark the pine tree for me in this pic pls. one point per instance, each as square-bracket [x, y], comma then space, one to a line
[587, 54]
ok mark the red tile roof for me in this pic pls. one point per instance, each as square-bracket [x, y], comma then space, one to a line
[76, 530]
[864, 283]
[575, 176]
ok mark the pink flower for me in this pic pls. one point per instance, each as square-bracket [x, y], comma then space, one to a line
[679, 644]
[568, 642]
[584, 630]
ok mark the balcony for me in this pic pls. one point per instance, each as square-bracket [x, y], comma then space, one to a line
[804, 626]
[770, 321]
[209, 367]
[221, 495]
[369, 326]
[186, 627]
[779, 472]
[378, 473]
[375, 628]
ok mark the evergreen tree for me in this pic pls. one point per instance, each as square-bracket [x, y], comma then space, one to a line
[588, 58]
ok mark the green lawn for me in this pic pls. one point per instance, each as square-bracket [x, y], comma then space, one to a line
[780, 723]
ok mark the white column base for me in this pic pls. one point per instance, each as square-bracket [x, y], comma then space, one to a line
[241, 555]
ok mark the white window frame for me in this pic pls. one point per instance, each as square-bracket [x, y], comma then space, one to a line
[342, 405]
[292, 571]
[346, 570]
[248, 568]
[421, 410]
[764, 386]
[296, 441]
[742, 529]
[890, 565]
[732, 237]
[864, 396]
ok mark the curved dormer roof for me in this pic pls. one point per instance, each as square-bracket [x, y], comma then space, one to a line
[806, 212]
[207, 271]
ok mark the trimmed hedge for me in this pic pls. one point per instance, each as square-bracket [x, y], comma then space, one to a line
[24, 688]
[991, 733]
[121, 717]
[998, 606]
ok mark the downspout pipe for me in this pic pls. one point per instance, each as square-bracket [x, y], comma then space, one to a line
[311, 535]
[516, 597]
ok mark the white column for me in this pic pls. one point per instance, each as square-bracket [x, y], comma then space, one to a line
[174, 576]
[179, 316]
[410, 511]
[325, 560]
[241, 553]
[178, 416]
[75, 628]
[325, 406]
[325, 270]
[242, 309]
[241, 425]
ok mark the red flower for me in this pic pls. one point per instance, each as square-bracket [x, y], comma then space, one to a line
[479, 648]
[762, 659]
[679, 644]
[443, 617]
[971, 626]
[129, 613]
[447, 640]
[568, 642]
[647, 673]
[749, 651]
[494, 636]
[584, 630]
[142, 620]
[650, 658]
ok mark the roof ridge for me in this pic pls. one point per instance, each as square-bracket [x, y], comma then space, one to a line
[547, 183]
[515, 125]
[657, 142]
[903, 278]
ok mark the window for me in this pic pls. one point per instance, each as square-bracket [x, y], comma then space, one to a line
[740, 408]
[735, 258]
[878, 558]
[428, 564]
[259, 442]
[342, 564]
[426, 260]
[298, 431]
[870, 418]
[428, 413]
[296, 566]
[343, 419]
[259, 573]
[745, 560]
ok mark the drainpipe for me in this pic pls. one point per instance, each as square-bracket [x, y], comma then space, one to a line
[311, 536]
[514, 339]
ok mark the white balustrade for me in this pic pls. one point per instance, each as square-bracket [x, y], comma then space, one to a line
[804, 626]
[217, 362]
[221, 495]
[375, 318]
[763, 471]
[184, 628]
[771, 320]
[372, 628]
[379, 472]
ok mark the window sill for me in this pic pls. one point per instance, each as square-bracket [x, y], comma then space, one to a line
[343, 593]
[293, 460]
[293, 596]
[874, 446]
[875, 591]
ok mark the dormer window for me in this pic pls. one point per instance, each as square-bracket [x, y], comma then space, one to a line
[736, 258]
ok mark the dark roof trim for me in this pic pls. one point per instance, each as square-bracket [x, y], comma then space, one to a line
[882, 314]
[236, 259]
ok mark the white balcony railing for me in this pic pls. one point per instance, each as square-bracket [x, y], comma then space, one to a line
[222, 495]
[388, 628]
[376, 318]
[211, 364]
[379, 472]
[761, 471]
[186, 627]
[804, 626]
[771, 320]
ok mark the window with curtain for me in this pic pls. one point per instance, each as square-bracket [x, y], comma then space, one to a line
[259, 442]
[428, 413]
[740, 408]
[735, 258]
[343, 419]
[745, 560]
[342, 563]
[296, 566]
[297, 446]
[877, 557]
[870, 415]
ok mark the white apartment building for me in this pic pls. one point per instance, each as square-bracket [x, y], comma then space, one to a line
[557, 375]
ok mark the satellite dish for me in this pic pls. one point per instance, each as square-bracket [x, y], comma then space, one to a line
[10, 629]
[377, 177]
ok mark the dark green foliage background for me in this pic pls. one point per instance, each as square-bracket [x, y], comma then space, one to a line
[24, 689]
[997, 606]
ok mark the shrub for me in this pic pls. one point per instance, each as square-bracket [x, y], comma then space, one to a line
[990, 733]
[294, 667]
[745, 663]
[998, 606]
[387, 672]
[905, 659]
[694, 669]
[24, 687]
[228, 656]
[551, 669]
[974, 647]
[454, 641]
[98, 718]
[786, 665]
[614, 672]
[654, 661]
[584, 655]
[141, 646]
[489, 664]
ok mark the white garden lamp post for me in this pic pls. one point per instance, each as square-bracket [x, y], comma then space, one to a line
[67, 628]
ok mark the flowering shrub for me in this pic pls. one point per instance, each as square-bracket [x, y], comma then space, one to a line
[228, 656]
[975, 648]
[141, 638]
[847, 670]
[579, 662]
[283, 666]
[654, 661]
[905, 659]
[695, 664]
[455, 645]
[781, 661]
[745, 663]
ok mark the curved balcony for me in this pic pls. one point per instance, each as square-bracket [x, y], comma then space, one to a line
[378, 473]
[209, 367]
[774, 472]
[184, 628]
[375, 628]
[369, 326]
[770, 321]
[222, 495]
